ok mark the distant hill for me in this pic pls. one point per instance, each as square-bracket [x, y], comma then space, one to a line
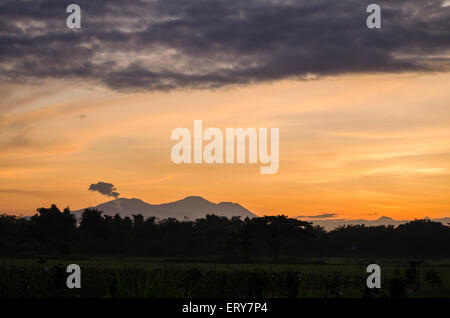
[192, 207]
[330, 224]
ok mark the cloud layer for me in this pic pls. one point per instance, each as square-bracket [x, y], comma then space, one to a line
[169, 44]
[319, 216]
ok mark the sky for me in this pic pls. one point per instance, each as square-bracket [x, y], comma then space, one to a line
[363, 114]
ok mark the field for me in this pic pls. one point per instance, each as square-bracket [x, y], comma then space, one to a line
[213, 278]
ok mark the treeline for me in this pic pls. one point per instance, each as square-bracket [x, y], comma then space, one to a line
[56, 232]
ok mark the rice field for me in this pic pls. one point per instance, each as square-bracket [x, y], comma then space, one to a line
[215, 278]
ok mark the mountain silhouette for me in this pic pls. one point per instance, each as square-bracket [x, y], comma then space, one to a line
[330, 224]
[192, 207]
[385, 218]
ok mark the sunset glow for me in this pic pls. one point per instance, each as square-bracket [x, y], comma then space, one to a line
[360, 146]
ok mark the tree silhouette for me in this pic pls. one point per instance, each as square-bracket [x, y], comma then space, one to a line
[276, 230]
[51, 231]
[52, 222]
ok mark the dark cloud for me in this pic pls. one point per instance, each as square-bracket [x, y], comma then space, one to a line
[104, 188]
[319, 216]
[169, 44]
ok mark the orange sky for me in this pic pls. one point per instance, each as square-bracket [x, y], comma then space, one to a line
[361, 146]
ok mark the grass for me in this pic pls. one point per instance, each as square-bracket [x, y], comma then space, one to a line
[194, 278]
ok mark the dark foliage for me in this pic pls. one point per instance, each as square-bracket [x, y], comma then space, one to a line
[54, 232]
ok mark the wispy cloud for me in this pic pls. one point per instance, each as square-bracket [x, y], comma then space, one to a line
[319, 216]
[20, 192]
